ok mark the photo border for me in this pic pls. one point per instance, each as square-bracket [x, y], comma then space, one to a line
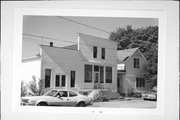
[139, 13]
[160, 15]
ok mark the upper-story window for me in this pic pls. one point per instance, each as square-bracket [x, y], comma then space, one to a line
[94, 52]
[136, 62]
[103, 53]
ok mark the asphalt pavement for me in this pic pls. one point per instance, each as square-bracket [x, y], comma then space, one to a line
[139, 103]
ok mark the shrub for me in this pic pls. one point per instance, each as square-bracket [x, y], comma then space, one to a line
[104, 95]
[96, 95]
[131, 93]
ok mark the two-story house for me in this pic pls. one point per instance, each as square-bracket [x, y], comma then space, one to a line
[130, 71]
[89, 64]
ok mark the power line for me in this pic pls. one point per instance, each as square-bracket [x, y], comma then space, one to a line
[43, 37]
[38, 41]
[58, 40]
[84, 51]
[83, 24]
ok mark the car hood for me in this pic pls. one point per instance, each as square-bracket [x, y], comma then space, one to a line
[149, 94]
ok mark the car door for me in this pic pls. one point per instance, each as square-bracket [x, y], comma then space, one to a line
[60, 99]
[64, 98]
[73, 98]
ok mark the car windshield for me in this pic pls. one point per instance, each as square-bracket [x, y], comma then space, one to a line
[153, 91]
[51, 93]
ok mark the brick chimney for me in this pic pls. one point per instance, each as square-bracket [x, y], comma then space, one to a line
[51, 44]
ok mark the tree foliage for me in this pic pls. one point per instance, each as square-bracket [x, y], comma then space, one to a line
[146, 39]
[32, 88]
[23, 89]
[35, 86]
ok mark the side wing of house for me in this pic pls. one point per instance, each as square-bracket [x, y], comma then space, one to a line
[98, 56]
[130, 71]
[31, 67]
[61, 68]
[134, 73]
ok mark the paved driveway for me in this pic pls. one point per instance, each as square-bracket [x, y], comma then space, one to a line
[126, 104]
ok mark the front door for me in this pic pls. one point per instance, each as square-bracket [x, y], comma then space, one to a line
[120, 83]
[96, 80]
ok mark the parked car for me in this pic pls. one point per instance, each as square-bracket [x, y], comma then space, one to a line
[151, 95]
[58, 98]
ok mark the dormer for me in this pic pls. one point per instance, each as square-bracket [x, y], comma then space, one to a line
[96, 49]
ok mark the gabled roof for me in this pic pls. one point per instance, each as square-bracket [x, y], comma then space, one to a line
[33, 58]
[60, 56]
[38, 56]
[123, 55]
[92, 36]
[72, 47]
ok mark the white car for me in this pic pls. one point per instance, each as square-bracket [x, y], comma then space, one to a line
[151, 95]
[58, 98]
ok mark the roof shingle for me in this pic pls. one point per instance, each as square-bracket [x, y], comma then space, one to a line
[72, 47]
[123, 55]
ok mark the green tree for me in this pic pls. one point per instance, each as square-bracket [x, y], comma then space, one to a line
[36, 86]
[23, 89]
[146, 39]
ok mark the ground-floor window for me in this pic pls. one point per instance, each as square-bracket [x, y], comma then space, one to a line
[57, 80]
[47, 77]
[73, 76]
[108, 74]
[96, 68]
[87, 73]
[63, 80]
[140, 82]
[101, 74]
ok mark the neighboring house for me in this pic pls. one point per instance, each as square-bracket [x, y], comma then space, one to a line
[89, 64]
[130, 71]
[31, 67]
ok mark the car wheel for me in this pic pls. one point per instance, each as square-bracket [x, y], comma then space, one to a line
[42, 104]
[144, 98]
[81, 104]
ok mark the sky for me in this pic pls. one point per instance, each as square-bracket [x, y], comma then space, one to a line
[64, 31]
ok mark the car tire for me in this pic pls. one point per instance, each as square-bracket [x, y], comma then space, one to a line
[42, 104]
[145, 99]
[81, 104]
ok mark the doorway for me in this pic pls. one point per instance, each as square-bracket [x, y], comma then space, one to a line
[120, 82]
[96, 80]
